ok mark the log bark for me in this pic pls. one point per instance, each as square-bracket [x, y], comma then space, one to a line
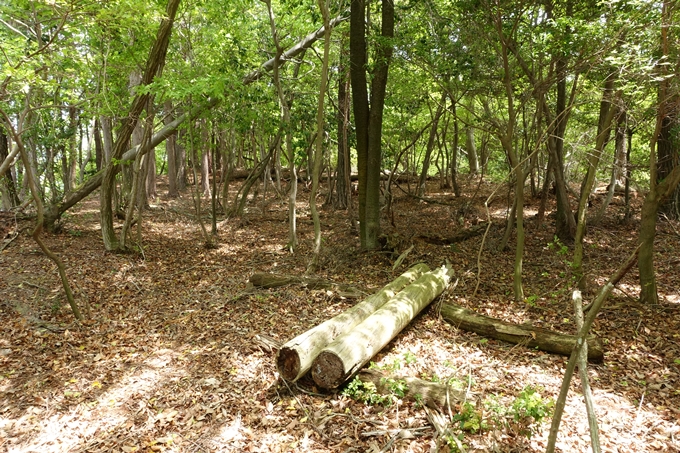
[349, 352]
[527, 335]
[296, 356]
[431, 394]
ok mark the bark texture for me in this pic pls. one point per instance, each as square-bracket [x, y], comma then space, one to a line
[431, 394]
[527, 335]
[296, 356]
[342, 358]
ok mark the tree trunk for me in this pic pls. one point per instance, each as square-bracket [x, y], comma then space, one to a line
[7, 185]
[454, 151]
[107, 140]
[170, 152]
[57, 209]
[617, 168]
[205, 160]
[663, 174]
[358, 61]
[375, 122]
[607, 111]
[471, 150]
[98, 145]
[72, 158]
[342, 184]
[524, 334]
[296, 356]
[318, 149]
[349, 352]
[430, 145]
[151, 175]
[668, 152]
[285, 105]
[154, 62]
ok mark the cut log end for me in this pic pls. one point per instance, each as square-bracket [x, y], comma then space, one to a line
[328, 370]
[288, 363]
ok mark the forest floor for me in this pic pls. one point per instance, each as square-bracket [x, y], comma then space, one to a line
[169, 357]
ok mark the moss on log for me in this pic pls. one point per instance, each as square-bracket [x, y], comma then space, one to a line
[349, 352]
[432, 394]
[527, 335]
[296, 356]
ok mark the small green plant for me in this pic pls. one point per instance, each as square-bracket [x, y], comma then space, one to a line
[367, 393]
[469, 419]
[529, 409]
[558, 246]
[455, 442]
[531, 300]
[409, 357]
[396, 387]
[456, 383]
[495, 410]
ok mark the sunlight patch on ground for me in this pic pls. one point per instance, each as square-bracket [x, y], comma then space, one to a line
[671, 298]
[624, 424]
[90, 420]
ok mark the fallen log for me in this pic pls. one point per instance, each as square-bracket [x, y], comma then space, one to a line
[266, 280]
[431, 394]
[524, 334]
[296, 356]
[349, 352]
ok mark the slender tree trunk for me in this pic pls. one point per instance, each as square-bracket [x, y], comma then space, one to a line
[98, 145]
[375, 121]
[454, 152]
[507, 140]
[318, 151]
[607, 111]
[7, 184]
[342, 185]
[72, 160]
[430, 145]
[617, 167]
[107, 140]
[471, 150]
[205, 160]
[151, 175]
[170, 152]
[664, 177]
[32, 183]
[285, 106]
[358, 59]
[154, 62]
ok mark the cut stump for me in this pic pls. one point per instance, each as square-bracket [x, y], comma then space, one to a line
[349, 352]
[431, 394]
[527, 335]
[296, 356]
